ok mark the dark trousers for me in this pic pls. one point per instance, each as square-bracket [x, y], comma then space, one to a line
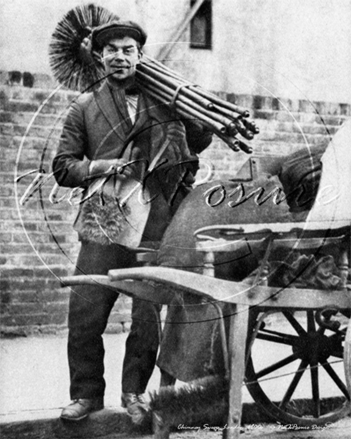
[89, 309]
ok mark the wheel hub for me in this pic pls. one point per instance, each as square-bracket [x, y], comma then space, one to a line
[314, 347]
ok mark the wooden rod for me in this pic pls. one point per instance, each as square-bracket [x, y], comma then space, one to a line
[230, 141]
[181, 106]
[163, 68]
[166, 80]
[217, 117]
[216, 100]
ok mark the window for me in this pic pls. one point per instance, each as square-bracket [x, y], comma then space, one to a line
[201, 26]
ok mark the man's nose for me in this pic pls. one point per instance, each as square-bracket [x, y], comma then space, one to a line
[119, 55]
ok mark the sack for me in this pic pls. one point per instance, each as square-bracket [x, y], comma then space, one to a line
[106, 221]
[300, 176]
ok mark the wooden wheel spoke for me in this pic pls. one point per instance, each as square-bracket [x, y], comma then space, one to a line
[312, 345]
[286, 336]
[277, 365]
[293, 384]
[329, 369]
[295, 324]
[278, 338]
[315, 389]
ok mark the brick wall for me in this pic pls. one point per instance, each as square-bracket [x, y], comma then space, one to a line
[37, 243]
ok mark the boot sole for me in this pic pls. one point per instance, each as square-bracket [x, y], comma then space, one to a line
[84, 416]
[74, 419]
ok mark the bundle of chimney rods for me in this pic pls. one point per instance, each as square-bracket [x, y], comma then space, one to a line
[190, 101]
[75, 66]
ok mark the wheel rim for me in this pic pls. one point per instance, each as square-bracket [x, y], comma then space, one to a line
[306, 385]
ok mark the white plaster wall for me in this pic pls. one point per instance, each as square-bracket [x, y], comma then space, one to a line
[285, 48]
[26, 28]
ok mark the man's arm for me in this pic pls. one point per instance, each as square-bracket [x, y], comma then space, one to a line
[70, 165]
[198, 138]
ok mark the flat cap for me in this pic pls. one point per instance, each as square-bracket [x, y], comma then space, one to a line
[101, 35]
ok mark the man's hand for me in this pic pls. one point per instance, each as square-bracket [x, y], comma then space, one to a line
[175, 132]
[87, 55]
[100, 167]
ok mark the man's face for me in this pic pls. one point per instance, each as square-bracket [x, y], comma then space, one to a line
[120, 58]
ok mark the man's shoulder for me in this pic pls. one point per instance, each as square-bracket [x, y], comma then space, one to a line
[157, 109]
[82, 104]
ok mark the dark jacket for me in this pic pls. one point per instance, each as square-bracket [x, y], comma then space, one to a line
[98, 127]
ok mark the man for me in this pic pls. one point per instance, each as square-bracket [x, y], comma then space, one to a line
[119, 131]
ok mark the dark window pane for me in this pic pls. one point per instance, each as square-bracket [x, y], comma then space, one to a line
[201, 26]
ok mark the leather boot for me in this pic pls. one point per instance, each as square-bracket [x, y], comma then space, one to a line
[80, 408]
[136, 406]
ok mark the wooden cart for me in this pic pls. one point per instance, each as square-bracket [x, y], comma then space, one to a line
[303, 330]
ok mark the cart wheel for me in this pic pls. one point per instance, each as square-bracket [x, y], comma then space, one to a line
[295, 372]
